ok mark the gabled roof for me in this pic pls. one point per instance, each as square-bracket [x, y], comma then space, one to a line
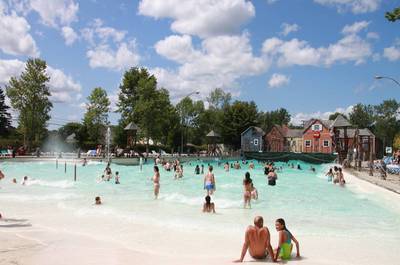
[257, 129]
[340, 122]
[351, 132]
[326, 123]
[213, 134]
[294, 133]
[131, 127]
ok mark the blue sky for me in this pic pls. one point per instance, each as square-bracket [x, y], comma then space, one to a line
[312, 57]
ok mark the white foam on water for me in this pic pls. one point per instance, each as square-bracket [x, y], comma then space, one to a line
[32, 197]
[64, 184]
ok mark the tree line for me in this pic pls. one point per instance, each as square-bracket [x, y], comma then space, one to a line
[142, 102]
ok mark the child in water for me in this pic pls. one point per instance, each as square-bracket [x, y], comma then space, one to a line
[117, 178]
[97, 200]
[208, 206]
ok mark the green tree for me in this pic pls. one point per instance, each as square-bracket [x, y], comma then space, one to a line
[218, 99]
[238, 117]
[29, 95]
[152, 110]
[73, 127]
[362, 116]
[387, 125]
[5, 117]
[96, 116]
[396, 142]
[128, 93]
[394, 15]
[268, 119]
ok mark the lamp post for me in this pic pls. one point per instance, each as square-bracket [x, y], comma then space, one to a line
[387, 77]
[182, 119]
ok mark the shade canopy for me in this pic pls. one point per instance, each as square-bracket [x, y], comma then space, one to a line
[131, 127]
[213, 134]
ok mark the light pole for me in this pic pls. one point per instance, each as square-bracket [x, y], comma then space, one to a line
[182, 119]
[387, 77]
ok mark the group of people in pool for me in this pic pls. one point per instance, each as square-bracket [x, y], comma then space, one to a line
[258, 242]
[14, 180]
[108, 175]
[335, 175]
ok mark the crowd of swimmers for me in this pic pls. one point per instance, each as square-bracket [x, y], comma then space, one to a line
[335, 175]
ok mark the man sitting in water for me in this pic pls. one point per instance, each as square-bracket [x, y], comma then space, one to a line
[257, 241]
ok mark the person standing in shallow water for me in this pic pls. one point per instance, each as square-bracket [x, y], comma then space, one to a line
[247, 188]
[209, 181]
[156, 182]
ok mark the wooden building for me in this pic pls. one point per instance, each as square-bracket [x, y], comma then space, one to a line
[317, 137]
[252, 139]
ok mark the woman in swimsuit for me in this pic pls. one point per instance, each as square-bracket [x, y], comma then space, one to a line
[209, 181]
[341, 177]
[285, 246]
[156, 181]
[208, 206]
[247, 188]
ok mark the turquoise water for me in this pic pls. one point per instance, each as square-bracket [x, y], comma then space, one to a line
[309, 203]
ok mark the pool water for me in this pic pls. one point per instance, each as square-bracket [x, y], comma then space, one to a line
[306, 200]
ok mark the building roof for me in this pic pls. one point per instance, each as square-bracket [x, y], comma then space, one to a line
[131, 127]
[294, 133]
[351, 132]
[257, 129]
[340, 122]
[326, 123]
[213, 134]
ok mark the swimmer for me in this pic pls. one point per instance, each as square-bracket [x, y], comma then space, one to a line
[285, 245]
[156, 181]
[1, 175]
[178, 171]
[257, 241]
[84, 163]
[298, 167]
[329, 175]
[341, 177]
[202, 169]
[97, 200]
[108, 173]
[197, 170]
[251, 165]
[247, 190]
[209, 181]
[208, 206]
[335, 175]
[272, 177]
[117, 178]
[14, 181]
[226, 167]
[25, 180]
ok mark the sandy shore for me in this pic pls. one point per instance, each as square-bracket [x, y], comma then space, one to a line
[67, 244]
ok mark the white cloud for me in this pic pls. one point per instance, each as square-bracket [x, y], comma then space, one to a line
[288, 28]
[56, 13]
[299, 118]
[270, 2]
[392, 53]
[278, 80]
[351, 48]
[123, 57]
[355, 6]
[14, 34]
[108, 47]
[373, 35]
[220, 62]
[202, 18]
[356, 27]
[62, 87]
[69, 35]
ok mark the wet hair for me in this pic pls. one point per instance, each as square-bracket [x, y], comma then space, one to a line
[208, 199]
[340, 169]
[156, 169]
[335, 168]
[330, 170]
[247, 175]
[97, 198]
[210, 168]
[117, 173]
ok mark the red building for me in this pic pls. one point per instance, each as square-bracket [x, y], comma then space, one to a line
[275, 139]
[317, 137]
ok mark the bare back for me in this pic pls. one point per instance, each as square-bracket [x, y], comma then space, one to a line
[258, 240]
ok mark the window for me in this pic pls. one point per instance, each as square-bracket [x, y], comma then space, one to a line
[316, 127]
[326, 143]
[307, 143]
[255, 141]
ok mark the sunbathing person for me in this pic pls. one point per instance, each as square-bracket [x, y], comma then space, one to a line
[284, 250]
[257, 241]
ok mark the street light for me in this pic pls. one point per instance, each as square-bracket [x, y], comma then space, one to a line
[386, 77]
[188, 95]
